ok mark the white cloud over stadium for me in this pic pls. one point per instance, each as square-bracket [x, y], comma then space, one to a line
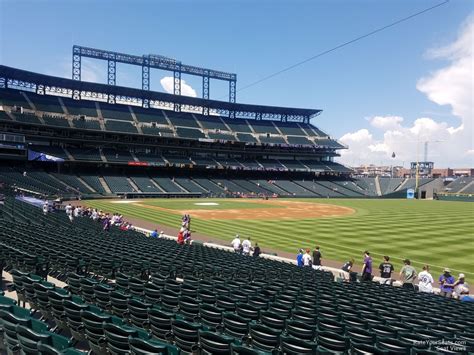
[168, 85]
[449, 145]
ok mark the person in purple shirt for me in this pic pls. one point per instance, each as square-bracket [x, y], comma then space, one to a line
[367, 268]
[446, 282]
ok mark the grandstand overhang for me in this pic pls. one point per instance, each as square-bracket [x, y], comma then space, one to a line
[42, 84]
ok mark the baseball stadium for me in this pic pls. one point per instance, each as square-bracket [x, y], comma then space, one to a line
[136, 221]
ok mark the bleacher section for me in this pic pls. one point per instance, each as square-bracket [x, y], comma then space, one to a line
[145, 184]
[291, 129]
[129, 298]
[459, 184]
[91, 154]
[263, 127]
[209, 186]
[298, 140]
[120, 126]
[272, 139]
[294, 189]
[182, 119]
[86, 124]
[54, 183]
[189, 185]
[168, 184]
[26, 118]
[161, 131]
[118, 184]
[157, 160]
[292, 164]
[82, 108]
[4, 116]
[212, 123]
[73, 182]
[239, 126]
[29, 182]
[389, 185]
[189, 133]
[246, 137]
[368, 185]
[221, 136]
[113, 155]
[14, 98]
[93, 181]
[55, 121]
[117, 112]
[46, 103]
[150, 116]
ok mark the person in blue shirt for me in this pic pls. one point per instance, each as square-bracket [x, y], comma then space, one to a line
[154, 234]
[299, 258]
[446, 281]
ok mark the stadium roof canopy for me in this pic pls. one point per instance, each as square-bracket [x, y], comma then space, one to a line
[51, 85]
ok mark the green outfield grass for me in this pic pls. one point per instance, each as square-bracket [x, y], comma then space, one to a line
[440, 233]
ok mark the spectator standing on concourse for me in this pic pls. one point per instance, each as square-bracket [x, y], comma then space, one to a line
[246, 246]
[307, 259]
[367, 268]
[236, 244]
[386, 269]
[408, 275]
[317, 258]
[256, 251]
[425, 280]
[299, 258]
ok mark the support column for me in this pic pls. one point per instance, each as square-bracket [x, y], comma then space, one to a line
[111, 71]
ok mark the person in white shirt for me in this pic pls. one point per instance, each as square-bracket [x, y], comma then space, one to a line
[162, 234]
[307, 260]
[68, 209]
[425, 280]
[236, 243]
[246, 246]
[45, 208]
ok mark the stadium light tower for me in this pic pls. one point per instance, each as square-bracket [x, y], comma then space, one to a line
[425, 163]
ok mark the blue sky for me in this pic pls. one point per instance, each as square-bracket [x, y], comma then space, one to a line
[377, 76]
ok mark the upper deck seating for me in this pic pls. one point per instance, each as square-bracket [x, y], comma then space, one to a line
[55, 121]
[150, 116]
[263, 127]
[120, 126]
[86, 124]
[116, 112]
[113, 155]
[192, 133]
[182, 119]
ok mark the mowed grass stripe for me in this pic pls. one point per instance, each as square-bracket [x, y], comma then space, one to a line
[434, 232]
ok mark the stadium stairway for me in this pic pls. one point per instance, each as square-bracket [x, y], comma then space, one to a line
[377, 186]
[132, 183]
[104, 185]
[467, 187]
[403, 183]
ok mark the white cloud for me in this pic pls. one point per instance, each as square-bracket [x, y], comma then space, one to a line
[386, 122]
[168, 85]
[93, 72]
[448, 146]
